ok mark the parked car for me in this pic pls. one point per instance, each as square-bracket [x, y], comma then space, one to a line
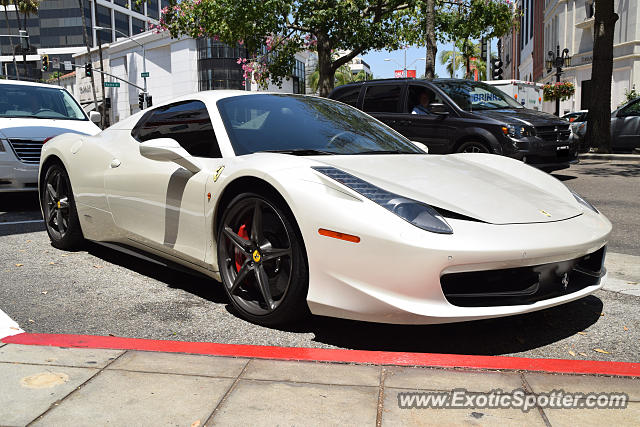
[31, 114]
[625, 126]
[578, 120]
[299, 203]
[465, 116]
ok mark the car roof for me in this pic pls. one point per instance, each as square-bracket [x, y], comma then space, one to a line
[25, 83]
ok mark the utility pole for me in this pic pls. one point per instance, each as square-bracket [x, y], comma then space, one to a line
[86, 42]
[102, 88]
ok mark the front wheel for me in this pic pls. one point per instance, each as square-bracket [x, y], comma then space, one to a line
[261, 260]
[472, 147]
[59, 209]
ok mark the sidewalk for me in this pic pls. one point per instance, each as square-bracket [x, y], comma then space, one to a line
[59, 385]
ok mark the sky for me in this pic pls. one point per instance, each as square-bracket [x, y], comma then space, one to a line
[385, 69]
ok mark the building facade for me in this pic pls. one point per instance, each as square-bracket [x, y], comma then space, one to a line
[570, 24]
[175, 67]
[57, 31]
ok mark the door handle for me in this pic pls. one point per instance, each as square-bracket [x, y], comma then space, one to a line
[115, 163]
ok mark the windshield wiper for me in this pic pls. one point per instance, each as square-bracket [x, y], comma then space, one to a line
[299, 152]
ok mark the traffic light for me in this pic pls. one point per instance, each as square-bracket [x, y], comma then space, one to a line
[149, 101]
[496, 69]
[141, 100]
[45, 62]
[483, 56]
[88, 70]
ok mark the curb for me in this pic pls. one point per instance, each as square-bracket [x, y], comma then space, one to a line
[332, 355]
[597, 156]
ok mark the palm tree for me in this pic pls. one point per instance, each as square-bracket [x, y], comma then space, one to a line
[6, 3]
[342, 76]
[447, 59]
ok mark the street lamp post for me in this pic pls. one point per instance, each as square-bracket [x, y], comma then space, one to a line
[558, 61]
[144, 54]
[404, 70]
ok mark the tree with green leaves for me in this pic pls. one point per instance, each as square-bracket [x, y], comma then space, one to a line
[275, 30]
[461, 21]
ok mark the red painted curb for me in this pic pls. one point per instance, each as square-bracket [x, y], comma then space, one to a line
[332, 355]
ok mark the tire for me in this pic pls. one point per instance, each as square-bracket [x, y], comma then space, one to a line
[261, 260]
[473, 147]
[59, 209]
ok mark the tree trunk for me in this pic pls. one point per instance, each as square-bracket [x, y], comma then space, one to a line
[13, 47]
[599, 115]
[86, 42]
[432, 49]
[326, 72]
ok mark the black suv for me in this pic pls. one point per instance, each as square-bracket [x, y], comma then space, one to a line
[455, 115]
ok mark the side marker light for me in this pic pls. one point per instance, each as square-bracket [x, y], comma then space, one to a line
[338, 235]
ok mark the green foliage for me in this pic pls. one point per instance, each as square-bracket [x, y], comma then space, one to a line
[629, 95]
[274, 30]
[342, 76]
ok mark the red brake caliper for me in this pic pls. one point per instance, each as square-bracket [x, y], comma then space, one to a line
[242, 232]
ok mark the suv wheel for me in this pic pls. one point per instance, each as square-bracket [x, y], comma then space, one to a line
[473, 147]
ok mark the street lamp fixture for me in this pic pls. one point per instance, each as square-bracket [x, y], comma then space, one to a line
[404, 68]
[558, 61]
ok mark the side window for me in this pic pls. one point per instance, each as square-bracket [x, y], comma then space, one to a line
[382, 99]
[631, 110]
[420, 97]
[187, 122]
[348, 95]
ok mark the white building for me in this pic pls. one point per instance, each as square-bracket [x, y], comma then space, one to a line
[525, 67]
[570, 24]
[175, 67]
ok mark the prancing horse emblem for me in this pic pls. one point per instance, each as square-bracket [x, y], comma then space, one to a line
[565, 281]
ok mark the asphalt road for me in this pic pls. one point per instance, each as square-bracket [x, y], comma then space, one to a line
[100, 291]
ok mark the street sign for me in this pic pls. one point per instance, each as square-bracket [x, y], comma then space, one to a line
[111, 84]
[400, 73]
[68, 66]
[145, 74]
[55, 63]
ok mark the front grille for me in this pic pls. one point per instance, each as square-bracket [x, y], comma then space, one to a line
[27, 150]
[553, 133]
[523, 285]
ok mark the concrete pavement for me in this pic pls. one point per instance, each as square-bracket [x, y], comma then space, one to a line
[52, 385]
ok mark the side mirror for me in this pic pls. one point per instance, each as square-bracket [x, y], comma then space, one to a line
[168, 150]
[421, 146]
[95, 117]
[438, 108]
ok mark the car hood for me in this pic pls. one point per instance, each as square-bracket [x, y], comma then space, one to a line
[500, 191]
[523, 116]
[43, 128]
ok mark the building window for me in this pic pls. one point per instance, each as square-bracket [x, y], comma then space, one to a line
[122, 24]
[104, 20]
[152, 9]
[137, 26]
[217, 65]
[298, 77]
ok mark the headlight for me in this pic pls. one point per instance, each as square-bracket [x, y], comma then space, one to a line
[417, 213]
[517, 131]
[584, 202]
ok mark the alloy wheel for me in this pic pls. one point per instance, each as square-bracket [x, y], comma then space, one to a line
[56, 203]
[255, 253]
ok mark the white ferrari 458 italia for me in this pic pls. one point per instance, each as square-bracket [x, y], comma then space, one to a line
[301, 204]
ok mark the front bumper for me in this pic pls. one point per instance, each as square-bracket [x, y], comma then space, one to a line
[14, 174]
[394, 274]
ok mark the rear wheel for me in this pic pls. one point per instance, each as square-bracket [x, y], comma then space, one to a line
[261, 260]
[473, 147]
[59, 209]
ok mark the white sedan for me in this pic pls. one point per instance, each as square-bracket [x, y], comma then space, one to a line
[30, 114]
[301, 204]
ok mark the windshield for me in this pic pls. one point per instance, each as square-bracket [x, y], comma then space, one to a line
[306, 126]
[476, 96]
[38, 102]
